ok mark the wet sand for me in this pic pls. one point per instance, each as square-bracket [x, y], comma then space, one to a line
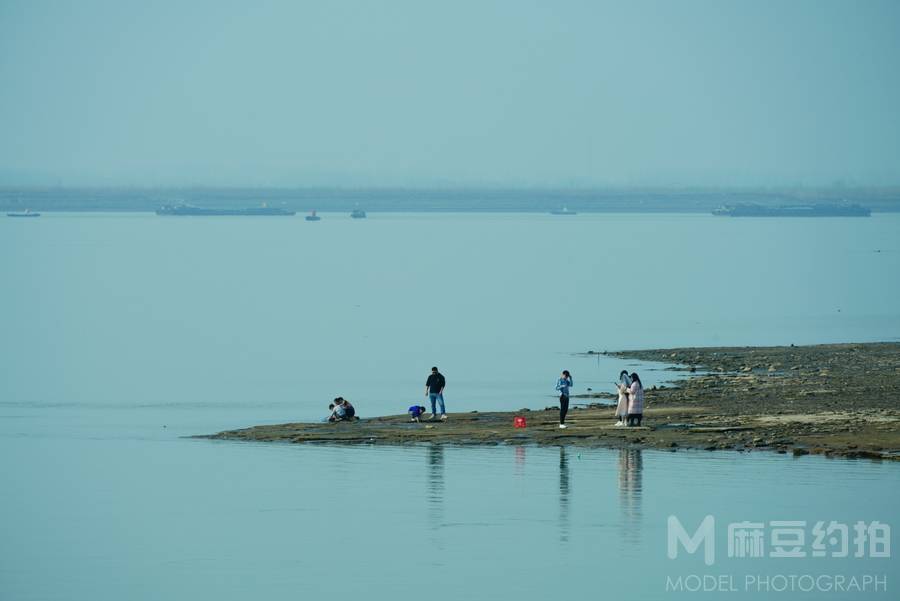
[836, 400]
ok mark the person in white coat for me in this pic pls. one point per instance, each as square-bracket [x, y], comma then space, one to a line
[624, 386]
[635, 401]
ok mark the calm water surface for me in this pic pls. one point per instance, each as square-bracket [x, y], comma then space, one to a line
[122, 333]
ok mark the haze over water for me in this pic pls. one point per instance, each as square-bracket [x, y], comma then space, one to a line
[281, 314]
[354, 93]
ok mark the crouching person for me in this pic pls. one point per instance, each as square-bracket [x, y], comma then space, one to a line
[342, 410]
[415, 412]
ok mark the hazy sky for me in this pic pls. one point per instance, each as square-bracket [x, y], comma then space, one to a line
[410, 92]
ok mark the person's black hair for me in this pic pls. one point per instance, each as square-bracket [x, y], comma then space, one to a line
[331, 405]
[624, 372]
[434, 369]
[636, 378]
[566, 373]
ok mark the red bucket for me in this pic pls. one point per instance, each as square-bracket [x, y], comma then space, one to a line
[519, 422]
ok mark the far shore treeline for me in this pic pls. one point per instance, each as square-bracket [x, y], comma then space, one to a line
[630, 199]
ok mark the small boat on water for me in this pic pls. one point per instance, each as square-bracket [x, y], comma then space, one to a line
[358, 213]
[563, 211]
[25, 213]
[313, 217]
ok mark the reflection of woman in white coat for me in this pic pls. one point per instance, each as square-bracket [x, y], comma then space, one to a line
[624, 386]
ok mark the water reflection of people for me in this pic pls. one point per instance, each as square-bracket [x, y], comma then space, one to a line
[630, 468]
[435, 492]
[564, 491]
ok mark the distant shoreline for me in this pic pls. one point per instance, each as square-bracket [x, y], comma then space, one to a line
[833, 399]
[493, 200]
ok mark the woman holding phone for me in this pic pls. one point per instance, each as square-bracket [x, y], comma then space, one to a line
[563, 384]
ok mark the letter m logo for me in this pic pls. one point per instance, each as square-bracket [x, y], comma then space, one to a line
[705, 535]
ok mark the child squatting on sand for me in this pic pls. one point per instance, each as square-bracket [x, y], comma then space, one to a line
[415, 412]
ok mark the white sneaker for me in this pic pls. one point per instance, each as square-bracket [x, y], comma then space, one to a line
[443, 417]
[620, 424]
[563, 426]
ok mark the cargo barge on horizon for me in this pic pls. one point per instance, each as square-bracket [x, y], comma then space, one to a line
[188, 210]
[814, 210]
[25, 213]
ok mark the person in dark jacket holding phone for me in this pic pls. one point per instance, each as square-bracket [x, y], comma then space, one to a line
[563, 384]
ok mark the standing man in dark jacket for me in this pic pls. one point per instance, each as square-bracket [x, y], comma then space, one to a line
[434, 390]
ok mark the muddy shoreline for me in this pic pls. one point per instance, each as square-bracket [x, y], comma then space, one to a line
[835, 400]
